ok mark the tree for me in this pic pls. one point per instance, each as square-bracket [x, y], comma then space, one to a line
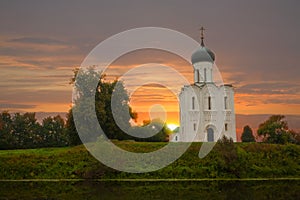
[105, 95]
[53, 131]
[156, 126]
[275, 130]
[247, 135]
[295, 137]
[25, 130]
[71, 132]
[6, 138]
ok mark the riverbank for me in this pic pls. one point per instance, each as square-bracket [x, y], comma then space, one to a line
[242, 161]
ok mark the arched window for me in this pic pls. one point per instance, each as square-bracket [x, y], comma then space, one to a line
[205, 76]
[195, 126]
[210, 135]
[198, 75]
[209, 103]
[225, 103]
[226, 127]
[193, 103]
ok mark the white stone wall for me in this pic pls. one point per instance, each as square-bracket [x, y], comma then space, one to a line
[201, 117]
[195, 120]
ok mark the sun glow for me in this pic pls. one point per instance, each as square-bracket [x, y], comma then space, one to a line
[172, 127]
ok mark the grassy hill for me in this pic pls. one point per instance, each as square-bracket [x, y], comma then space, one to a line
[241, 160]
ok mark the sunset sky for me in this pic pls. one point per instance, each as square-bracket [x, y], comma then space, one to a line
[256, 45]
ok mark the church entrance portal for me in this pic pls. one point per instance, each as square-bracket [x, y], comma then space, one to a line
[210, 135]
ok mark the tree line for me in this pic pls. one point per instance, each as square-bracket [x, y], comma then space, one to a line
[24, 131]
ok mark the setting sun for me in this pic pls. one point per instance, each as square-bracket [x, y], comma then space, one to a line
[172, 127]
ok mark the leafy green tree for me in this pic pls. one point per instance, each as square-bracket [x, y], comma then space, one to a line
[53, 131]
[247, 135]
[295, 137]
[26, 130]
[275, 130]
[84, 94]
[6, 138]
[71, 132]
[149, 127]
[103, 97]
[113, 110]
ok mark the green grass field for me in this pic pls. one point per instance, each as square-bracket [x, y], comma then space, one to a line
[254, 160]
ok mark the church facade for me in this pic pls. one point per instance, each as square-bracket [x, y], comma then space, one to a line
[206, 109]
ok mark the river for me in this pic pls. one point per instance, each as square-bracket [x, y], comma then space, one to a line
[159, 189]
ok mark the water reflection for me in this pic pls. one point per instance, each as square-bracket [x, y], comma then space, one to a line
[279, 189]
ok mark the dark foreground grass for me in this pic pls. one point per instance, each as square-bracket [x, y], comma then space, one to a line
[253, 160]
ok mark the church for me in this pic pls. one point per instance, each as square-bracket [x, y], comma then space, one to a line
[206, 109]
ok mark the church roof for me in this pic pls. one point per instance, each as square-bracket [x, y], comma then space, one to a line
[203, 54]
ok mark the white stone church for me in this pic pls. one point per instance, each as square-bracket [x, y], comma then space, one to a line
[206, 109]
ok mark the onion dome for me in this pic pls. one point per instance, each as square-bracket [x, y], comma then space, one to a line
[203, 54]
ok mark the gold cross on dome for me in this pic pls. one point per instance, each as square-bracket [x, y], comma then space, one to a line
[202, 29]
[202, 35]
